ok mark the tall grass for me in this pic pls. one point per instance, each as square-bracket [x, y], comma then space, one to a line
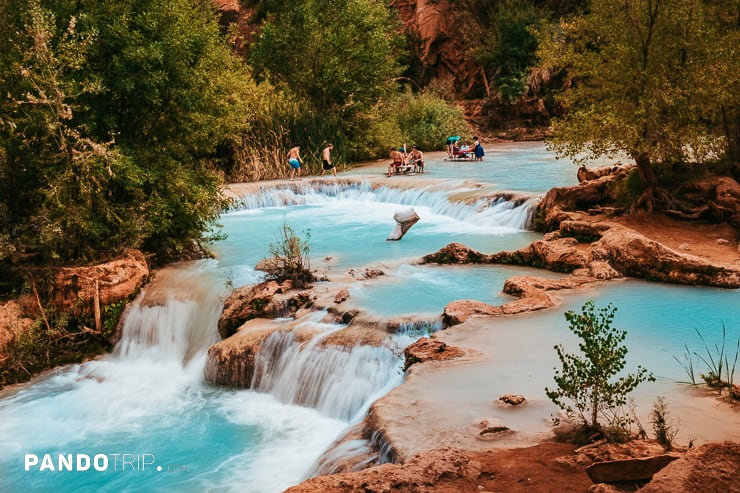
[714, 361]
[687, 363]
[719, 362]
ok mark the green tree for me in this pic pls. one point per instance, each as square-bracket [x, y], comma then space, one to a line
[426, 120]
[642, 80]
[340, 57]
[588, 385]
[111, 116]
[502, 42]
[56, 172]
[175, 92]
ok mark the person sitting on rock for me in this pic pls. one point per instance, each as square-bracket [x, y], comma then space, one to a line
[398, 161]
[417, 159]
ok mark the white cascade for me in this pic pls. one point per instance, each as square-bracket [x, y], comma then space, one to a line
[505, 209]
[340, 382]
[173, 318]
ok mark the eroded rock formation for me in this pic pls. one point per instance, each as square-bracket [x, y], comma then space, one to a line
[710, 467]
[427, 349]
[404, 220]
[265, 300]
[602, 250]
[429, 472]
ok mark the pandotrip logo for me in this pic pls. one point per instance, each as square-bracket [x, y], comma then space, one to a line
[76, 462]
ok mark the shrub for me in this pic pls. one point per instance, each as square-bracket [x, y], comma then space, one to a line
[664, 427]
[427, 120]
[587, 387]
[289, 259]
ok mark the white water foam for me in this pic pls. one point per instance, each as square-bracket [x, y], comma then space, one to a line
[498, 211]
[338, 382]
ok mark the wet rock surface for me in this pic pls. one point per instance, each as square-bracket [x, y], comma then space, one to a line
[426, 349]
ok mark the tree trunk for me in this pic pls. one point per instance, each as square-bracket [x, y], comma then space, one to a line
[648, 181]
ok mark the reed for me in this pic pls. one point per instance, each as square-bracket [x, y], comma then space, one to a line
[714, 361]
[687, 364]
[720, 363]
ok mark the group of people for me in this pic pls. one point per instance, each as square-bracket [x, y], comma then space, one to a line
[462, 151]
[295, 161]
[401, 159]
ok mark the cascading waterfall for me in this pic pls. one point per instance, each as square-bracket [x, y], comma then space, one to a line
[340, 382]
[502, 209]
[173, 324]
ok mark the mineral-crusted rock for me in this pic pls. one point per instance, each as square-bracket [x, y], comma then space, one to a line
[246, 303]
[512, 399]
[341, 296]
[456, 312]
[456, 253]
[231, 362]
[404, 220]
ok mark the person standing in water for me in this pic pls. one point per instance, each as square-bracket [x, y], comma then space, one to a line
[295, 161]
[326, 159]
[478, 149]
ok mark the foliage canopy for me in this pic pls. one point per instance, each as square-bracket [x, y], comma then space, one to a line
[110, 119]
[649, 78]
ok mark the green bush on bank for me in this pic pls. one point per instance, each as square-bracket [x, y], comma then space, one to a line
[592, 387]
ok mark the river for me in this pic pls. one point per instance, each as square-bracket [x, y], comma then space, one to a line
[142, 418]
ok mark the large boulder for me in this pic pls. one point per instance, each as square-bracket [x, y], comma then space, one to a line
[265, 300]
[708, 468]
[456, 253]
[560, 201]
[602, 250]
[458, 311]
[231, 362]
[427, 349]
[635, 255]
[83, 290]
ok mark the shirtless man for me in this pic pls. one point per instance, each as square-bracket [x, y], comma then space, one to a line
[398, 160]
[295, 161]
[417, 159]
[326, 158]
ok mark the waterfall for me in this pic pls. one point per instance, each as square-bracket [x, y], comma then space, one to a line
[340, 382]
[174, 318]
[507, 209]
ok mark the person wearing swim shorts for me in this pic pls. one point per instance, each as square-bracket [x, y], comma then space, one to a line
[326, 159]
[417, 159]
[398, 161]
[295, 161]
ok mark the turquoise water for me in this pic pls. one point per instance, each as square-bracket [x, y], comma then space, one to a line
[662, 318]
[423, 291]
[524, 166]
[148, 399]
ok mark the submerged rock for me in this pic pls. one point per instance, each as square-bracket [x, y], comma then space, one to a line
[512, 399]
